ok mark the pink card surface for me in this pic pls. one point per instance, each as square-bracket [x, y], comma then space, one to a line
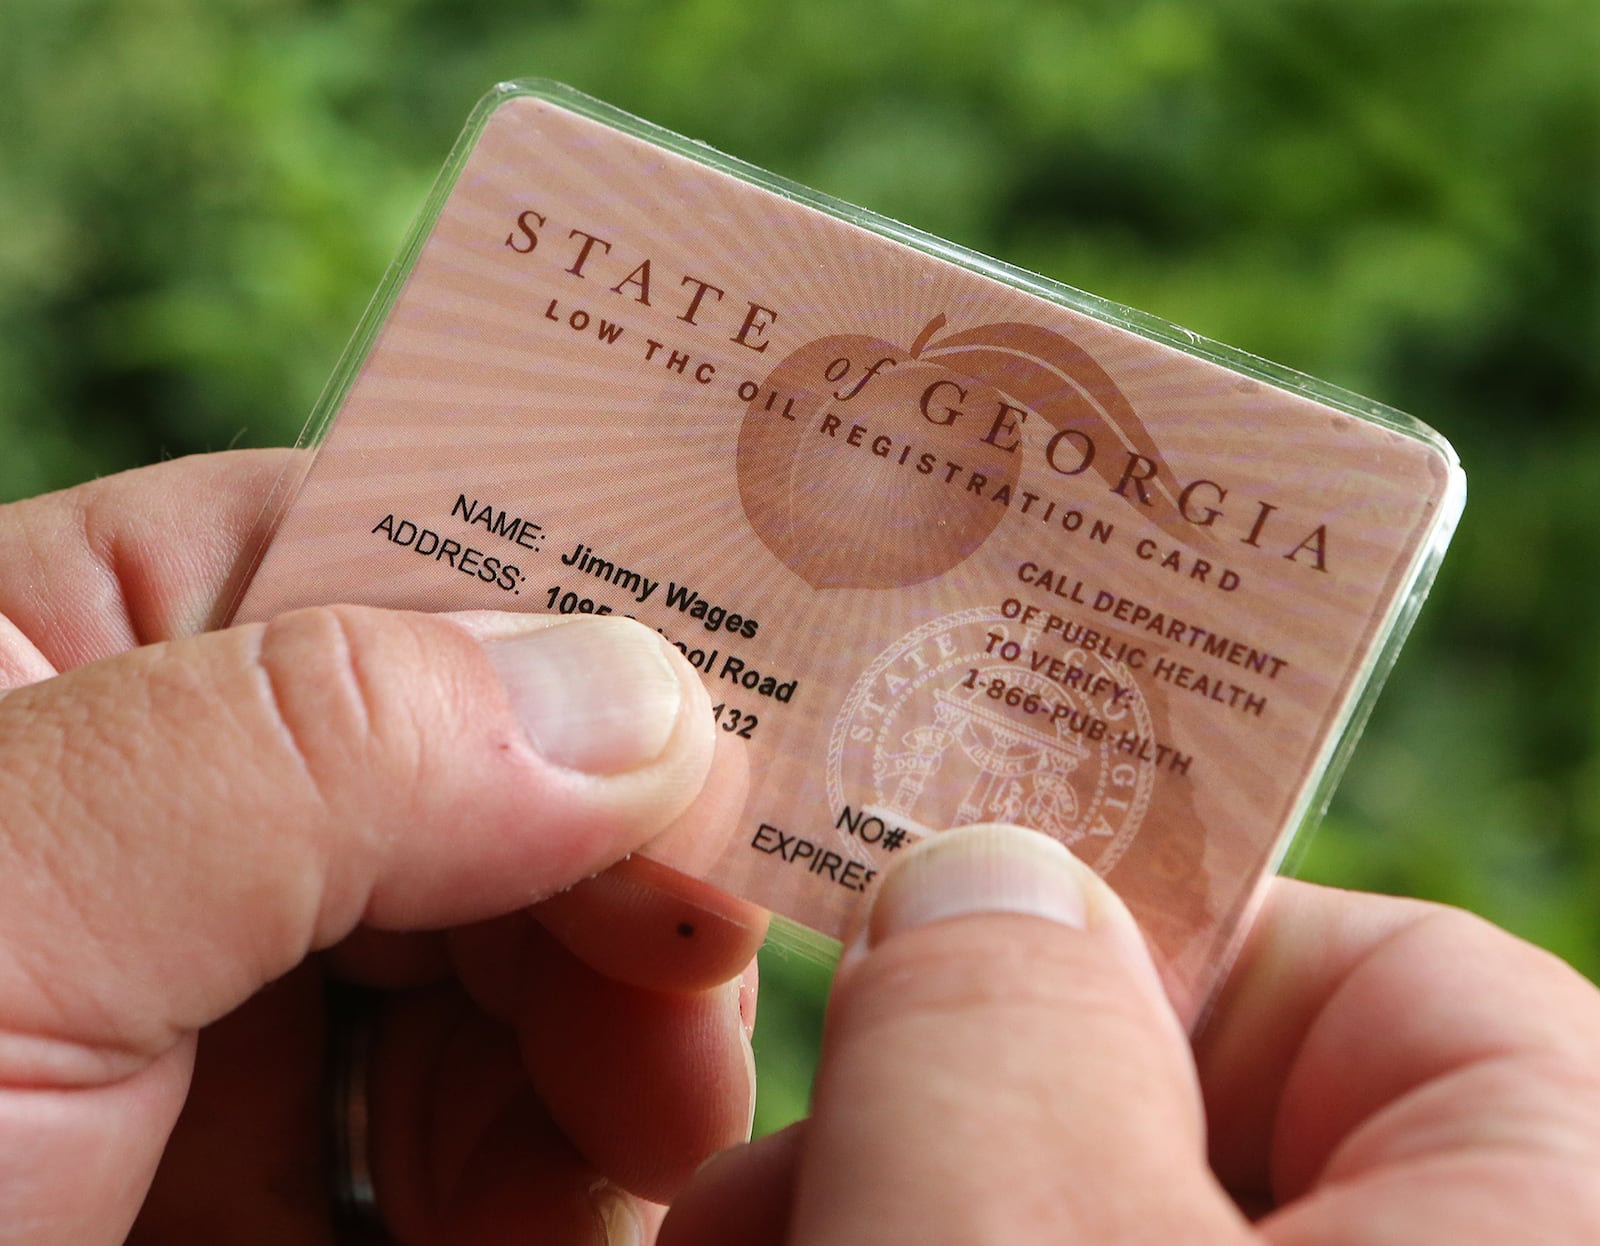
[948, 544]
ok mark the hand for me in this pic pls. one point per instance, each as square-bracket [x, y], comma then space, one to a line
[1000, 1067]
[197, 830]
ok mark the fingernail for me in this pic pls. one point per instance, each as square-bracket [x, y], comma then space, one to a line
[736, 994]
[600, 696]
[990, 869]
[620, 1224]
[980, 869]
[749, 997]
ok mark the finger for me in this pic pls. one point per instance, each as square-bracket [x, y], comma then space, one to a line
[464, 1154]
[142, 556]
[1303, 942]
[222, 1183]
[333, 766]
[487, 957]
[74, 1167]
[647, 1084]
[999, 1065]
[526, 1183]
[644, 924]
[638, 922]
[743, 1197]
[179, 825]
[1377, 1062]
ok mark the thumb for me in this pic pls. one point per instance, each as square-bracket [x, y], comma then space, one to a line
[182, 823]
[1001, 1065]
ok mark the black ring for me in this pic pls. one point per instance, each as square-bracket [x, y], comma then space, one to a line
[350, 1027]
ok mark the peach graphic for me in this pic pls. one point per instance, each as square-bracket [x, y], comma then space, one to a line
[863, 464]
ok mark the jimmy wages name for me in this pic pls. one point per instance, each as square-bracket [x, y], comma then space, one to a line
[680, 597]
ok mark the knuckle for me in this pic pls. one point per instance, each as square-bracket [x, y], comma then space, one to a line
[319, 675]
[319, 689]
[1005, 973]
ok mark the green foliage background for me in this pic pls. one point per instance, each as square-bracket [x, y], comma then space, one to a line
[1401, 196]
